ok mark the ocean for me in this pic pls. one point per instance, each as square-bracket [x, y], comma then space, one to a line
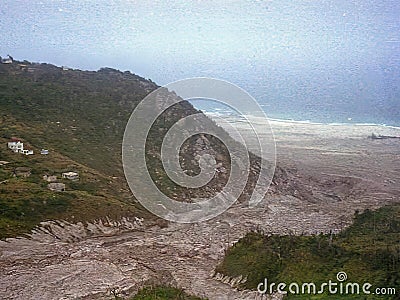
[316, 61]
[340, 101]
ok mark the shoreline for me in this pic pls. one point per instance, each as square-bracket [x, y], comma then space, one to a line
[292, 121]
[305, 129]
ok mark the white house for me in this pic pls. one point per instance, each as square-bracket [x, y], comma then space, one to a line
[16, 146]
[8, 60]
[70, 175]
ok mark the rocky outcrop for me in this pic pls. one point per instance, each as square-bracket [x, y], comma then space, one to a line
[65, 231]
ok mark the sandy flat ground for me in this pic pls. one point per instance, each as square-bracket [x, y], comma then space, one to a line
[344, 150]
[337, 150]
[337, 166]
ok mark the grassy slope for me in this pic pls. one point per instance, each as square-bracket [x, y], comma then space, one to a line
[25, 202]
[80, 117]
[368, 251]
[78, 113]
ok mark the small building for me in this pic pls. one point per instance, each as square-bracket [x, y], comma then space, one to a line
[70, 175]
[27, 152]
[8, 60]
[56, 187]
[49, 178]
[15, 146]
[44, 152]
[22, 172]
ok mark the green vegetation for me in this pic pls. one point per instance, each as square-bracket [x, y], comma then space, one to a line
[80, 117]
[368, 251]
[163, 293]
[26, 201]
[80, 114]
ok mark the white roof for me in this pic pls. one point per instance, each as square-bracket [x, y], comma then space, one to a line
[70, 173]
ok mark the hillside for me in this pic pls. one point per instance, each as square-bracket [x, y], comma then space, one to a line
[80, 117]
[26, 200]
[79, 113]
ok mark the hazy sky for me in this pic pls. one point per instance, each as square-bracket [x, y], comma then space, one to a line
[271, 44]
